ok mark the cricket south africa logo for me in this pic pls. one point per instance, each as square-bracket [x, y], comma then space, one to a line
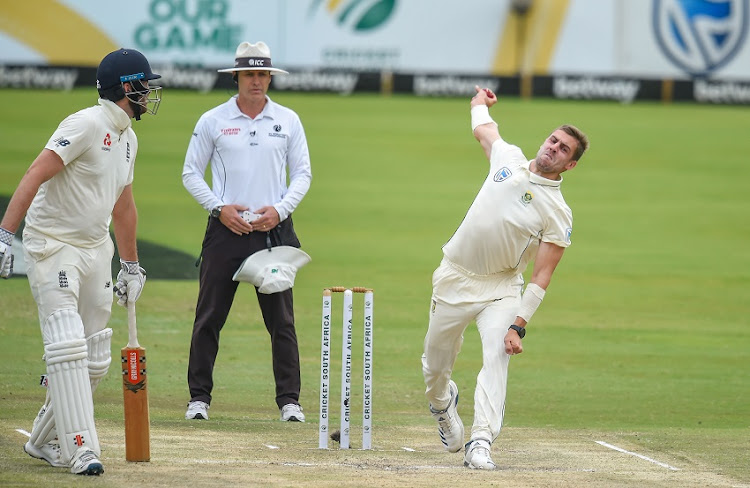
[700, 36]
[358, 15]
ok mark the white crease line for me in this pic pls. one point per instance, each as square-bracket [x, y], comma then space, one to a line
[243, 462]
[271, 446]
[409, 449]
[21, 431]
[663, 465]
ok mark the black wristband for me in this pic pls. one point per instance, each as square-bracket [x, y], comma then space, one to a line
[521, 330]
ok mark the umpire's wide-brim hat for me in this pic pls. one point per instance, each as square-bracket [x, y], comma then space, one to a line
[253, 57]
[272, 270]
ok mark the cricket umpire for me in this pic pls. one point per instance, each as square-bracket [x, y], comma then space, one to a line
[80, 182]
[518, 216]
[260, 172]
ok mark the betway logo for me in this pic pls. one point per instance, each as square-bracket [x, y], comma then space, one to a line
[342, 83]
[721, 92]
[620, 90]
[28, 77]
[451, 85]
[192, 78]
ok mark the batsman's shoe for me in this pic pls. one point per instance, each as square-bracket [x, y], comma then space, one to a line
[291, 412]
[450, 427]
[197, 411]
[49, 452]
[86, 462]
[478, 455]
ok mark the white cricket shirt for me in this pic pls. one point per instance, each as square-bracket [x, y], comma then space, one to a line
[513, 212]
[98, 147]
[250, 158]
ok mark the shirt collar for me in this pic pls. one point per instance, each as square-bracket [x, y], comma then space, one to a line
[268, 111]
[115, 114]
[540, 180]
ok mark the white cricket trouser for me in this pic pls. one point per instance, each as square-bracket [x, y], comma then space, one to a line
[64, 277]
[73, 291]
[458, 299]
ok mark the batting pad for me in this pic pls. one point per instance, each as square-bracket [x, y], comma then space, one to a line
[61, 326]
[70, 393]
[44, 430]
[100, 355]
[99, 359]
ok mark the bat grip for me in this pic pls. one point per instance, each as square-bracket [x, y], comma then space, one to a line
[132, 329]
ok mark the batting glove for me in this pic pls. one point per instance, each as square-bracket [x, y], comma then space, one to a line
[130, 281]
[6, 253]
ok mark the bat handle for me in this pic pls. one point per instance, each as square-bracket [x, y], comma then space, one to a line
[132, 329]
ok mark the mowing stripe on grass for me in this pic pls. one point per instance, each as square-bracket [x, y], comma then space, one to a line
[663, 465]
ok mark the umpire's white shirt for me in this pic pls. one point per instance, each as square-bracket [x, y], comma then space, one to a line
[514, 210]
[98, 147]
[249, 158]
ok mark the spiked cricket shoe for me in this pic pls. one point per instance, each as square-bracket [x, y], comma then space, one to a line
[450, 427]
[86, 462]
[478, 455]
[49, 452]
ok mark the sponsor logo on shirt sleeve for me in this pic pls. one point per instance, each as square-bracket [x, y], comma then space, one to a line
[61, 141]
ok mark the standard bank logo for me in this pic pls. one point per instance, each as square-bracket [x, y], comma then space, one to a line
[700, 36]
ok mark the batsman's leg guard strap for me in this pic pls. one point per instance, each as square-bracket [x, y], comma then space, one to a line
[100, 355]
[70, 393]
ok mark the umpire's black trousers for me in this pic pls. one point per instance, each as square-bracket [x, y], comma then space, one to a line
[223, 252]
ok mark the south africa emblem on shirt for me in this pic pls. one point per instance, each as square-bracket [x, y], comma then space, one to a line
[502, 175]
[527, 197]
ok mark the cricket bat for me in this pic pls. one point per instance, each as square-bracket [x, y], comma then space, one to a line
[135, 394]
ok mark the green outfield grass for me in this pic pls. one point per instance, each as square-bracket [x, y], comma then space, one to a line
[642, 340]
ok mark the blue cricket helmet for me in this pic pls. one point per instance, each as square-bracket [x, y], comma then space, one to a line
[121, 66]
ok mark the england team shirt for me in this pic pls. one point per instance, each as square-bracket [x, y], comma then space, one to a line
[251, 159]
[98, 147]
[513, 212]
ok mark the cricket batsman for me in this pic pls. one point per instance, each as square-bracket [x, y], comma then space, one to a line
[79, 184]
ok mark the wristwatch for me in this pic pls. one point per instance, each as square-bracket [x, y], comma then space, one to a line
[216, 211]
[521, 330]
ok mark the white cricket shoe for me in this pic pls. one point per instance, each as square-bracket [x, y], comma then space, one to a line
[291, 412]
[478, 455]
[450, 427]
[49, 452]
[197, 411]
[86, 462]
